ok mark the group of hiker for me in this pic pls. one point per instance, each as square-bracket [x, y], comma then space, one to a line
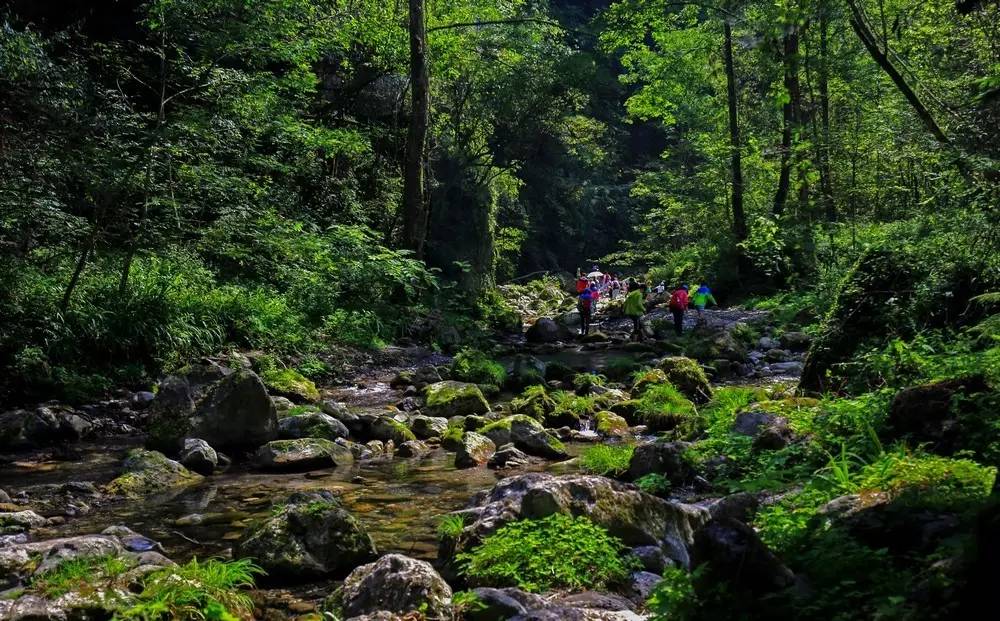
[590, 287]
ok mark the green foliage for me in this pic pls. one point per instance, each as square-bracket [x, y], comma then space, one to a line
[620, 368]
[654, 483]
[535, 402]
[474, 366]
[556, 552]
[607, 459]
[451, 526]
[662, 408]
[290, 381]
[674, 598]
[584, 382]
[80, 575]
[196, 590]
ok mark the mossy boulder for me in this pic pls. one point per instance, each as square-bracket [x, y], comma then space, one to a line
[526, 434]
[387, 428]
[474, 450]
[610, 424]
[302, 454]
[450, 398]
[451, 440]
[647, 379]
[311, 536]
[425, 427]
[146, 473]
[393, 587]
[688, 377]
[291, 384]
[311, 425]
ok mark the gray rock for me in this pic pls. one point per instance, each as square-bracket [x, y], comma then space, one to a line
[796, 341]
[396, 584]
[641, 584]
[19, 561]
[282, 404]
[500, 604]
[197, 456]
[450, 398]
[793, 368]
[546, 330]
[227, 409]
[475, 450]
[412, 448]
[526, 434]
[20, 521]
[741, 506]
[777, 355]
[637, 518]
[44, 426]
[311, 425]
[425, 427]
[4, 497]
[651, 558]
[735, 555]
[311, 536]
[302, 454]
[751, 423]
[336, 409]
[775, 436]
[386, 428]
[508, 456]
[765, 343]
[666, 458]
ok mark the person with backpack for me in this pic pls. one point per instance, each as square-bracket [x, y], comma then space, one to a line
[584, 305]
[678, 304]
[582, 284]
[635, 307]
[701, 298]
[595, 296]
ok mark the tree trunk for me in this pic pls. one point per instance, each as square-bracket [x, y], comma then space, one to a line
[867, 38]
[739, 217]
[415, 213]
[790, 116]
[826, 172]
[78, 271]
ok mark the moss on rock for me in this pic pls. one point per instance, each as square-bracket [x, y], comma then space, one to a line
[451, 398]
[688, 377]
[150, 472]
[610, 424]
[290, 383]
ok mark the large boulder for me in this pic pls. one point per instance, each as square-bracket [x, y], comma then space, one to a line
[688, 377]
[895, 524]
[302, 454]
[546, 330]
[736, 556]
[450, 398]
[150, 472]
[311, 425]
[475, 450]
[426, 427]
[43, 426]
[526, 371]
[311, 536]
[633, 516]
[393, 584]
[227, 409]
[665, 458]
[932, 413]
[526, 434]
[610, 424]
[796, 341]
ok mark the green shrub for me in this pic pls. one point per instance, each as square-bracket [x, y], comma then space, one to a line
[535, 402]
[654, 483]
[584, 382]
[663, 408]
[196, 590]
[607, 459]
[80, 575]
[474, 366]
[450, 526]
[556, 552]
[674, 598]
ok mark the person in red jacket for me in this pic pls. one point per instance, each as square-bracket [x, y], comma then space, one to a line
[678, 304]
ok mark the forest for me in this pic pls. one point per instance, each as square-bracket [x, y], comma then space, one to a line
[396, 309]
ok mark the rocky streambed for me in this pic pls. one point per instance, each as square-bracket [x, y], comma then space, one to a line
[242, 470]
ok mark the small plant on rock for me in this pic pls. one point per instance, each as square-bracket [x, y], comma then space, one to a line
[607, 459]
[472, 365]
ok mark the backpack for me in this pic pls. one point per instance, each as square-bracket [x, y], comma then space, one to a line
[584, 301]
[678, 300]
[582, 284]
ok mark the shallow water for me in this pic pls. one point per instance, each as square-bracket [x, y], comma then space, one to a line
[399, 501]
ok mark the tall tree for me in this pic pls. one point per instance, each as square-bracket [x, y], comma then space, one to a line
[415, 211]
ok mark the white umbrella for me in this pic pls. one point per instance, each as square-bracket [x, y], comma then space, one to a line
[595, 275]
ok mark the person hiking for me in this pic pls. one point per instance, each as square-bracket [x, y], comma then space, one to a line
[584, 305]
[702, 297]
[595, 296]
[635, 307]
[678, 304]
